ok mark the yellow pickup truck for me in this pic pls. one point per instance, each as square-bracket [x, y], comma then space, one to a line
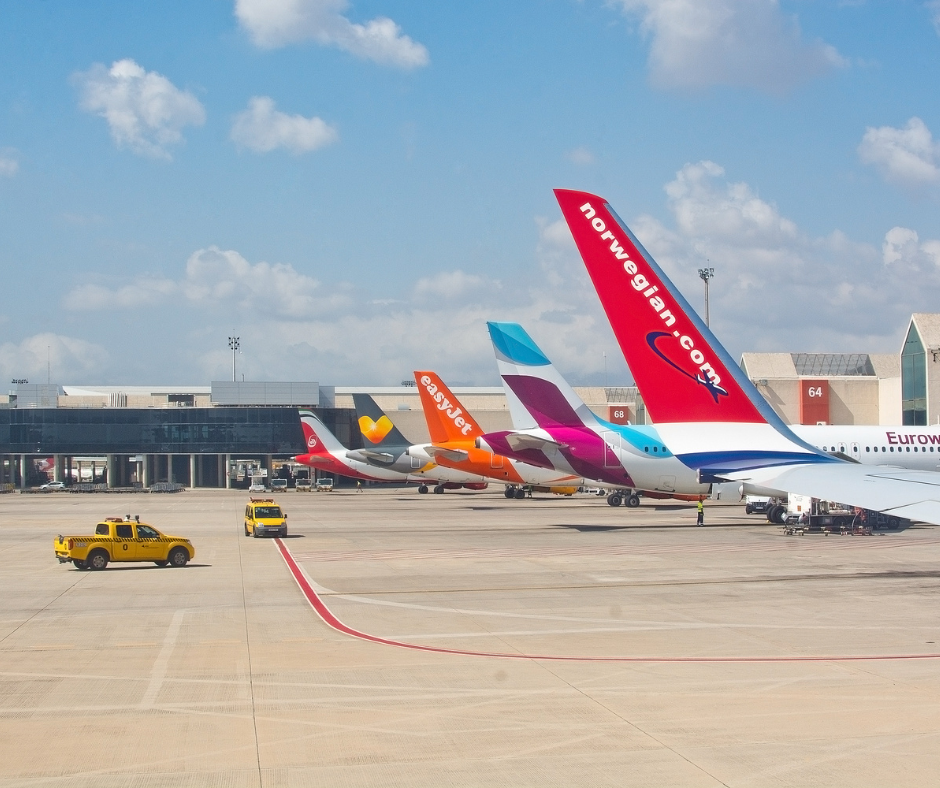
[264, 516]
[123, 539]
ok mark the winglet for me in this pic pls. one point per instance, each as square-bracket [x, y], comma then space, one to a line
[446, 417]
[682, 370]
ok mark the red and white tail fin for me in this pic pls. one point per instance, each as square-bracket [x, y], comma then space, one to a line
[447, 420]
[682, 370]
[318, 438]
[707, 411]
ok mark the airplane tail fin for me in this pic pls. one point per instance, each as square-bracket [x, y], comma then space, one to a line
[446, 417]
[377, 428]
[318, 438]
[681, 368]
[538, 395]
[682, 371]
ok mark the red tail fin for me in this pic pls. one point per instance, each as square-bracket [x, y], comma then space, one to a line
[682, 370]
[447, 420]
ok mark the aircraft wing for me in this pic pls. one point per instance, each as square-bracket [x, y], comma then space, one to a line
[519, 441]
[914, 495]
[454, 455]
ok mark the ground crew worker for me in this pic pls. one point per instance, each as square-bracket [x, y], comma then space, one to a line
[701, 512]
[358, 487]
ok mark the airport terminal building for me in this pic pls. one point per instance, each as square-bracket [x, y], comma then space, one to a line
[140, 436]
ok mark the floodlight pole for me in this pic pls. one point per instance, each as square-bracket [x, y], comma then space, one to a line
[233, 343]
[706, 274]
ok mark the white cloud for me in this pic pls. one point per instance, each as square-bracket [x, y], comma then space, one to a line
[776, 288]
[143, 292]
[262, 129]
[908, 156]
[580, 155]
[908, 255]
[219, 280]
[66, 358]
[933, 6]
[454, 285]
[276, 23]
[144, 110]
[741, 43]
[8, 163]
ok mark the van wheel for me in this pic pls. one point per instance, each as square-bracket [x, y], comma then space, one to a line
[161, 563]
[79, 564]
[246, 531]
[97, 560]
[283, 533]
[633, 501]
[178, 556]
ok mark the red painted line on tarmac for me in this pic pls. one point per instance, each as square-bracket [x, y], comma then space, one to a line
[332, 621]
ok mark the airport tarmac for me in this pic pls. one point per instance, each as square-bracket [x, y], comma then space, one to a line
[636, 649]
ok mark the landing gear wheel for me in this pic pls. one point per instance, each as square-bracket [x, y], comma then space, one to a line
[632, 500]
[439, 489]
[423, 489]
[519, 494]
[161, 563]
[178, 557]
[510, 492]
[779, 515]
[97, 561]
[614, 499]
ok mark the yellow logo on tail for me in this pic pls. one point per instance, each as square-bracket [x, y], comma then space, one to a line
[375, 430]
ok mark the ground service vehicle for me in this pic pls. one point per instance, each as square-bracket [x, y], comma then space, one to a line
[325, 484]
[278, 484]
[756, 503]
[814, 514]
[303, 485]
[123, 539]
[263, 517]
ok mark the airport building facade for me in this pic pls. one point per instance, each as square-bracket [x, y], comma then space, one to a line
[133, 436]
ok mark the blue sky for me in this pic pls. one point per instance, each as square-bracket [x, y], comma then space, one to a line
[355, 188]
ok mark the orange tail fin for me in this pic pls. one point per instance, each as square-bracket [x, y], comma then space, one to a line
[446, 417]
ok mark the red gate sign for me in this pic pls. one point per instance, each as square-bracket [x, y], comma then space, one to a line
[619, 414]
[814, 402]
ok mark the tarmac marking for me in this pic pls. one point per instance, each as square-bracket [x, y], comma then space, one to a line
[306, 586]
[810, 545]
[162, 662]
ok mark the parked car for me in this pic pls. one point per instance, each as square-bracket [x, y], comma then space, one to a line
[52, 486]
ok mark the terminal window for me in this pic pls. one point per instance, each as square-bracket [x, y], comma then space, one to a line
[913, 380]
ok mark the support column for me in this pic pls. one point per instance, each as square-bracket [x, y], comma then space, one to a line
[269, 465]
[219, 464]
[169, 468]
[23, 461]
[148, 459]
[57, 467]
[68, 470]
[192, 471]
[228, 471]
[112, 471]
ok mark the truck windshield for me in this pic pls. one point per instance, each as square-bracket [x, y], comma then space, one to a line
[268, 511]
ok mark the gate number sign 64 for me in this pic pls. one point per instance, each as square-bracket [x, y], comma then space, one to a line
[815, 391]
